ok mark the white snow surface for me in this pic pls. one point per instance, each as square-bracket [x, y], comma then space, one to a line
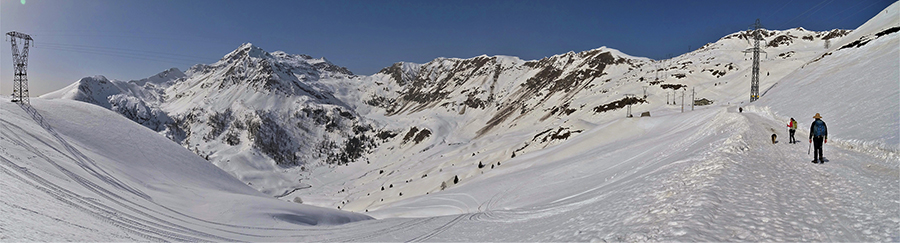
[711, 174]
[68, 173]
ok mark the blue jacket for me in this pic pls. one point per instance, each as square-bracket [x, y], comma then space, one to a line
[818, 129]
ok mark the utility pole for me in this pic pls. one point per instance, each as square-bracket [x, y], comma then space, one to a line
[693, 99]
[20, 63]
[682, 100]
[754, 80]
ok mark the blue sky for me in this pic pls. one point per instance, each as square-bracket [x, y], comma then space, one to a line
[133, 39]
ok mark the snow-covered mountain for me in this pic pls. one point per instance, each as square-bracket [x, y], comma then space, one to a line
[254, 113]
[459, 118]
[506, 91]
[268, 117]
[478, 149]
[259, 115]
[135, 99]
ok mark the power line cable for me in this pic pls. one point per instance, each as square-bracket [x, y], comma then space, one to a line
[121, 55]
[124, 54]
[851, 15]
[155, 53]
[814, 12]
[779, 9]
[130, 35]
[834, 15]
[804, 12]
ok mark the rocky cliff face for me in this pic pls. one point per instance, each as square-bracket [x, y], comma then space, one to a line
[505, 88]
[271, 103]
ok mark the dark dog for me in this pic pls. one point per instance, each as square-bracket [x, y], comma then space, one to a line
[773, 138]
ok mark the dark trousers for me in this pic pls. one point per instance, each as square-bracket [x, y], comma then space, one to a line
[792, 136]
[817, 144]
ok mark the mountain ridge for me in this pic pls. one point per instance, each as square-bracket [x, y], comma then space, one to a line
[298, 112]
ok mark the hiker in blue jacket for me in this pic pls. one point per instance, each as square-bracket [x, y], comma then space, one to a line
[818, 133]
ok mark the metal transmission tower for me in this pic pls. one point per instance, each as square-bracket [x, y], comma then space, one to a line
[20, 62]
[628, 98]
[754, 81]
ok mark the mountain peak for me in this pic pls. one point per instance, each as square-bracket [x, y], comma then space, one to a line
[616, 53]
[247, 49]
[162, 77]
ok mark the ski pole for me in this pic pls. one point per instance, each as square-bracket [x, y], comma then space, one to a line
[808, 148]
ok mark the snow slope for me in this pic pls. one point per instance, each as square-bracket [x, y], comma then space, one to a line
[856, 88]
[453, 119]
[711, 174]
[263, 117]
[75, 171]
[708, 175]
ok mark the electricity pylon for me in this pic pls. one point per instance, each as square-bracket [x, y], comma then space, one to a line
[754, 81]
[628, 98]
[20, 63]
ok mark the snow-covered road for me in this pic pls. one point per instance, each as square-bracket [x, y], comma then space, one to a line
[771, 192]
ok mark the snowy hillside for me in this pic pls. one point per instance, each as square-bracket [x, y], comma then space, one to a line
[77, 172]
[263, 117]
[855, 85]
[460, 117]
[137, 100]
[495, 148]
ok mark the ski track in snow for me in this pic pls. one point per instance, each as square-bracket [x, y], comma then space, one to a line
[126, 211]
[155, 229]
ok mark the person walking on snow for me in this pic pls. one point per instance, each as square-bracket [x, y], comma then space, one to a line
[793, 128]
[818, 133]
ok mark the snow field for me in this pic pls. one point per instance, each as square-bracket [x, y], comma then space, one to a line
[716, 176]
[70, 158]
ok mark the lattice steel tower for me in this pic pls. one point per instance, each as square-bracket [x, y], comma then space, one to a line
[754, 81]
[20, 63]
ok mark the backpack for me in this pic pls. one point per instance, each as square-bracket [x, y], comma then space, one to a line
[819, 129]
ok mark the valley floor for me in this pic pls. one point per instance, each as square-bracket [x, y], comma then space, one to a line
[708, 175]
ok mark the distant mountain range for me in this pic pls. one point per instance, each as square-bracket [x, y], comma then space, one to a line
[268, 117]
